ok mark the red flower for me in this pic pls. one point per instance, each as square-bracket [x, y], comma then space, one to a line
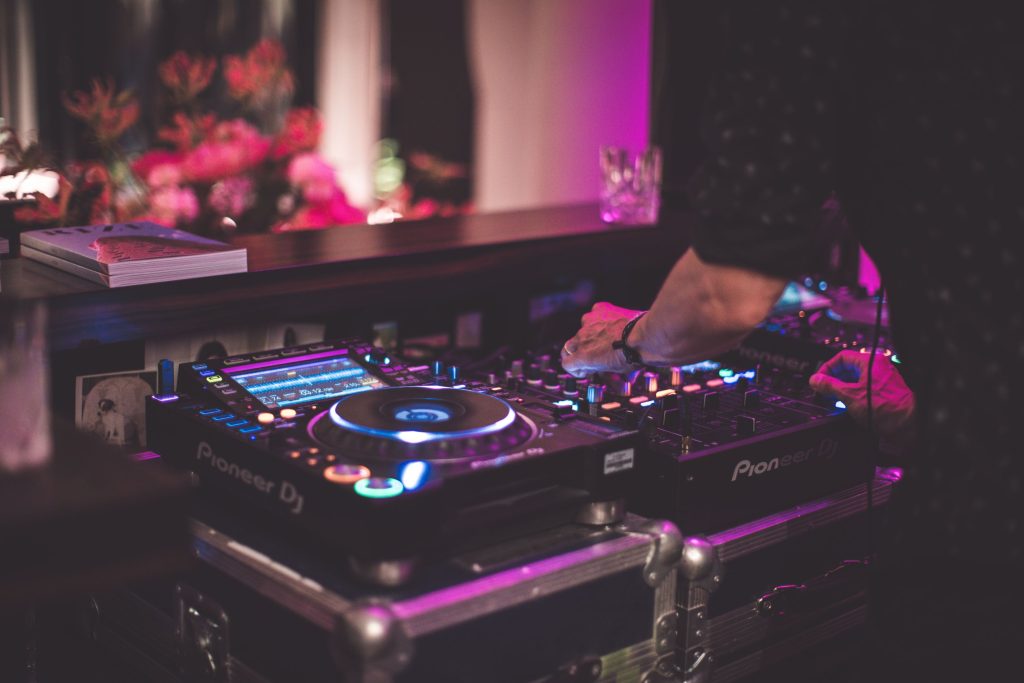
[155, 158]
[260, 76]
[47, 211]
[186, 76]
[301, 133]
[96, 182]
[108, 114]
[184, 132]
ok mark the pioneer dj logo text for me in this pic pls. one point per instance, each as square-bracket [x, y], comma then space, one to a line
[287, 494]
[825, 450]
[776, 359]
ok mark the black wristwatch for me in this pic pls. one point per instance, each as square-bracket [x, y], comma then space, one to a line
[631, 354]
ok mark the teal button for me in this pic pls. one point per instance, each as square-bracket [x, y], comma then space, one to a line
[378, 487]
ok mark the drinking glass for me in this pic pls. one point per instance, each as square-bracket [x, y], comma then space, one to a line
[631, 185]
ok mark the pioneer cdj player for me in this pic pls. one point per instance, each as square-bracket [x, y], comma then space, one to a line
[385, 463]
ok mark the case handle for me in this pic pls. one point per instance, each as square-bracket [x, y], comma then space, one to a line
[834, 585]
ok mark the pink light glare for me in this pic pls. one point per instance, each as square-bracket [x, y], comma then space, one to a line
[868, 276]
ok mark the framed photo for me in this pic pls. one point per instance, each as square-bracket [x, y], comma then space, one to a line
[113, 405]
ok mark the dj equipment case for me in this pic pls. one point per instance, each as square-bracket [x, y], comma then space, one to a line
[573, 603]
[634, 602]
[752, 596]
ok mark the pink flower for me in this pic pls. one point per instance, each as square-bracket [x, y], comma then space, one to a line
[164, 175]
[335, 211]
[326, 203]
[313, 176]
[145, 164]
[171, 205]
[231, 197]
[232, 148]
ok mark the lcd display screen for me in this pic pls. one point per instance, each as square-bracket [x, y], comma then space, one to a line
[306, 382]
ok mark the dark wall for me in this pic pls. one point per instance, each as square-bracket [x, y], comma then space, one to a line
[686, 37]
[429, 103]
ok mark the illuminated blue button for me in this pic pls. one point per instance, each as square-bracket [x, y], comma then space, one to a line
[250, 430]
[199, 366]
[414, 473]
[378, 487]
[237, 423]
[206, 373]
[210, 411]
[222, 418]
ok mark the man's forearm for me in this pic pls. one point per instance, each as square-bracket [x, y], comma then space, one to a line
[702, 310]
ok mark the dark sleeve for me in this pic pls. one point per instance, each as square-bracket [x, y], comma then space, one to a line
[769, 130]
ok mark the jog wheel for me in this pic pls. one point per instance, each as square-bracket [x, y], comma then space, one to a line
[435, 424]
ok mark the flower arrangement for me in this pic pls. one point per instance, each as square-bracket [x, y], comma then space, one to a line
[257, 170]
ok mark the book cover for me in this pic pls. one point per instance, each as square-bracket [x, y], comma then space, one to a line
[132, 247]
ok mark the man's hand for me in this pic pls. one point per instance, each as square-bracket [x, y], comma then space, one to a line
[591, 349]
[845, 376]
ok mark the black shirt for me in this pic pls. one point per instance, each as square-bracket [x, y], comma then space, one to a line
[911, 112]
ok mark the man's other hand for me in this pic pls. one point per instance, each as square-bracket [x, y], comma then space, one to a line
[845, 376]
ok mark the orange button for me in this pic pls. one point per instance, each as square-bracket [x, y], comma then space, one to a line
[346, 474]
[265, 418]
[288, 413]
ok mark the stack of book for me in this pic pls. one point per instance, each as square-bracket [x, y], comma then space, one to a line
[125, 254]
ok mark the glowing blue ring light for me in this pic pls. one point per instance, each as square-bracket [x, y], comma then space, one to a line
[416, 436]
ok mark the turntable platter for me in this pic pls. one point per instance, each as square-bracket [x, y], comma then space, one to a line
[426, 422]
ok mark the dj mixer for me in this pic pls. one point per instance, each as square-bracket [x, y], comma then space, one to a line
[385, 463]
[721, 444]
[804, 330]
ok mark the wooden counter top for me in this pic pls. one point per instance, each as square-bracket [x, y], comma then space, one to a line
[307, 272]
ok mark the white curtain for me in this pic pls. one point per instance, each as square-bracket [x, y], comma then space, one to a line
[17, 68]
[349, 92]
[554, 80]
